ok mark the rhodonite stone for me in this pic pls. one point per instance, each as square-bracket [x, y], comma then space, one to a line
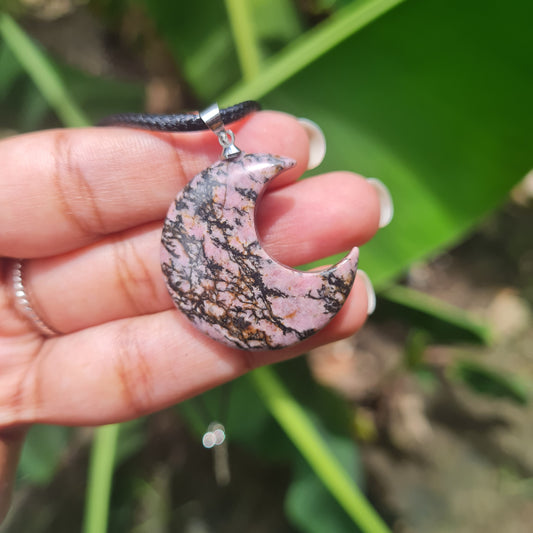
[220, 277]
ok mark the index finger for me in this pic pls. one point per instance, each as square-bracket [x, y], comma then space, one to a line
[63, 189]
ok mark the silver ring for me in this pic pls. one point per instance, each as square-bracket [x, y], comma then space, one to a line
[22, 301]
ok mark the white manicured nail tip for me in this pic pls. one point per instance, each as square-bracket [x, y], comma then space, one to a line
[370, 293]
[317, 142]
[386, 211]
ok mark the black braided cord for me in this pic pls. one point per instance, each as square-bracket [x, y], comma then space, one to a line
[178, 122]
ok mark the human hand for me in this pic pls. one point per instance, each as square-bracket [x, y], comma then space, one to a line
[84, 208]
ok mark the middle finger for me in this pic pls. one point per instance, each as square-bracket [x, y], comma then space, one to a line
[120, 277]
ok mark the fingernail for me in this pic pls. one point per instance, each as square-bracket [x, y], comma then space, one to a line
[317, 142]
[386, 207]
[370, 293]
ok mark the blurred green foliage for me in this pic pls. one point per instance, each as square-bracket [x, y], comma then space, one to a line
[433, 97]
[490, 382]
[42, 454]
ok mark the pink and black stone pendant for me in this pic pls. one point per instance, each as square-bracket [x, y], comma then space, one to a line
[219, 275]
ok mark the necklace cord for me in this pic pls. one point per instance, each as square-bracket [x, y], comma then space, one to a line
[181, 122]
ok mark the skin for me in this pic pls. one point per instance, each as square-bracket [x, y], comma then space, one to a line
[84, 208]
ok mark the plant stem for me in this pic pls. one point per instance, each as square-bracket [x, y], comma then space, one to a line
[244, 37]
[100, 478]
[306, 49]
[299, 428]
[42, 72]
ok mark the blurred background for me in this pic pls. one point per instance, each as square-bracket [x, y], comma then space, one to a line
[427, 410]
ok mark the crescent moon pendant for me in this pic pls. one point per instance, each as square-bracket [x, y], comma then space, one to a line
[222, 279]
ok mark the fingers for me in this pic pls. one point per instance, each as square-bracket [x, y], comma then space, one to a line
[63, 189]
[121, 276]
[318, 217]
[131, 367]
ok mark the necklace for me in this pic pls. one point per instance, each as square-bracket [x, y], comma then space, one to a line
[214, 266]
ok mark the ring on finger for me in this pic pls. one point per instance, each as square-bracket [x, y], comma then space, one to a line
[23, 301]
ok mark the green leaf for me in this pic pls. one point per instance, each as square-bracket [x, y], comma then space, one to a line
[250, 424]
[245, 417]
[312, 45]
[415, 346]
[277, 23]
[308, 504]
[99, 96]
[305, 436]
[131, 439]
[42, 452]
[435, 99]
[10, 69]
[199, 36]
[22, 106]
[444, 323]
[34, 109]
[329, 407]
[245, 37]
[489, 381]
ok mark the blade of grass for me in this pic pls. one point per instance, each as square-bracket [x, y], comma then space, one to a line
[299, 428]
[100, 477]
[244, 37]
[306, 49]
[42, 72]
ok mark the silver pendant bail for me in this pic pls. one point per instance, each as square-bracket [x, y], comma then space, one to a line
[213, 120]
